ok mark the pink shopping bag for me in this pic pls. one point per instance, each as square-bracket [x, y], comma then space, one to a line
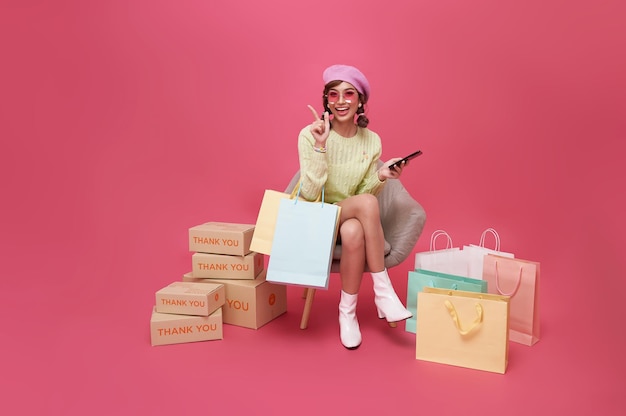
[518, 279]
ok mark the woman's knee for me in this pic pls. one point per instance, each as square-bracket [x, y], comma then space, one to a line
[363, 203]
[368, 205]
[371, 201]
[352, 234]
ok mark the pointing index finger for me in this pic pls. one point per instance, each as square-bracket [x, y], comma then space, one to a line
[317, 117]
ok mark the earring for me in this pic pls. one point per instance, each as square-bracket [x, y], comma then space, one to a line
[360, 105]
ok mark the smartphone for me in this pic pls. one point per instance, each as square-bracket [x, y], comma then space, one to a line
[405, 159]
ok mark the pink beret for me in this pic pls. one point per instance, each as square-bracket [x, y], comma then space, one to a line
[348, 74]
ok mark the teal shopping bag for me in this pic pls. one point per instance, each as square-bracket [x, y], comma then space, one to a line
[303, 243]
[418, 279]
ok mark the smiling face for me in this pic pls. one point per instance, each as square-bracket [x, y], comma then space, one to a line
[342, 99]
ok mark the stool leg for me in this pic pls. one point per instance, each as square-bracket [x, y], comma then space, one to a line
[308, 304]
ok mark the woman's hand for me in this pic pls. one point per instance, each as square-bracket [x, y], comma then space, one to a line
[385, 173]
[320, 128]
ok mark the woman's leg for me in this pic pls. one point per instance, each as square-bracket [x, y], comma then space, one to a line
[364, 210]
[352, 263]
[351, 267]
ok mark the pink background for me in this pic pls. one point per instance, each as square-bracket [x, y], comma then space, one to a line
[124, 123]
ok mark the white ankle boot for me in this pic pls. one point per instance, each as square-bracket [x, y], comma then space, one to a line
[386, 299]
[348, 325]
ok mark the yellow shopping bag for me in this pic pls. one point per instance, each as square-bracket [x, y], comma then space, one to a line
[266, 220]
[464, 329]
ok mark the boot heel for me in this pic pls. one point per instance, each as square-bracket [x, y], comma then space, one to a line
[386, 299]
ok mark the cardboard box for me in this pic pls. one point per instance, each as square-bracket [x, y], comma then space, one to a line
[250, 303]
[168, 328]
[221, 266]
[221, 238]
[187, 298]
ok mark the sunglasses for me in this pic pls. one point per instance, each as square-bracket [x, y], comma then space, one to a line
[348, 96]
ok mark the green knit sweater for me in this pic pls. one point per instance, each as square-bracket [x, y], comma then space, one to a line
[349, 166]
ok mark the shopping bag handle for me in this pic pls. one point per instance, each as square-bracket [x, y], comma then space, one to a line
[496, 236]
[454, 285]
[457, 321]
[435, 235]
[517, 285]
[296, 189]
[298, 195]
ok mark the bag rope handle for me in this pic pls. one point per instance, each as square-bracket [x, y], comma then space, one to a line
[435, 235]
[517, 285]
[296, 189]
[297, 196]
[457, 322]
[496, 236]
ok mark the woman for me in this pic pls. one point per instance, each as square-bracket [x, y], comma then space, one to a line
[342, 157]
